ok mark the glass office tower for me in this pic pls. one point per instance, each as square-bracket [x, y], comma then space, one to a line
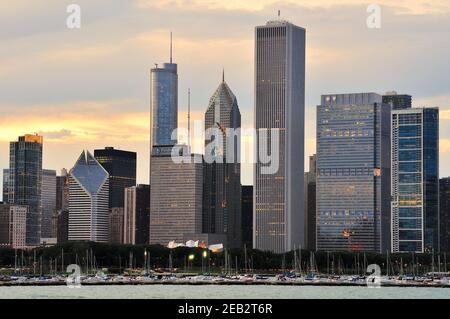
[164, 104]
[444, 217]
[121, 167]
[353, 173]
[415, 180]
[25, 182]
[280, 106]
[222, 193]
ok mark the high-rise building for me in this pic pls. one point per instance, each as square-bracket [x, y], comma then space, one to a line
[48, 195]
[5, 185]
[62, 226]
[61, 217]
[444, 217]
[137, 215]
[222, 192]
[121, 167]
[310, 204]
[25, 182]
[353, 173]
[116, 223]
[247, 216]
[164, 102]
[13, 226]
[279, 106]
[415, 180]
[62, 191]
[88, 200]
[176, 196]
[397, 101]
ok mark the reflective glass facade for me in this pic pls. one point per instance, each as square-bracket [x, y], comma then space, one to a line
[164, 104]
[222, 194]
[121, 167]
[353, 173]
[415, 180]
[25, 182]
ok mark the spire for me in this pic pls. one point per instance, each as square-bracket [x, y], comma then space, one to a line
[171, 47]
[189, 119]
[223, 75]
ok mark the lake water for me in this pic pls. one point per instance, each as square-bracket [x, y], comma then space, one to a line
[221, 292]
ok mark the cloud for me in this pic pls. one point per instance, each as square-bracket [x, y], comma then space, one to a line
[403, 6]
[56, 135]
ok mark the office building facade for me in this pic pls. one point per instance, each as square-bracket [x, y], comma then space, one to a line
[121, 167]
[164, 104]
[48, 194]
[88, 201]
[279, 107]
[415, 180]
[176, 195]
[137, 215]
[397, 101]
[222, 191]
[444, 217]
[353, 173]
[310, 204]
[116, 223]
[13, 226]
[247, 216]
[5, 185]
[25, 182]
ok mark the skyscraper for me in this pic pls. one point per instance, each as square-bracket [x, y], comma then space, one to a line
[48, 192]
[137, 215]
[116, 223]
[25, 182]
[121, 167]
[310, 204]
[88, 200]
[5, 185]
[176, 195]
[247, 216]
[61, 218]
[164, 102]
[397, 101]
[353, 173]
[280, 106]
[444, 207]
[415, 180]
[13, 226]
[222, 193]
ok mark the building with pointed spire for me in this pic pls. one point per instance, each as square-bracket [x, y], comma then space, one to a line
[164, 102]
[88, 200]
[222, 195]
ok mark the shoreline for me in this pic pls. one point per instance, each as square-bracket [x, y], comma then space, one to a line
[232, 283]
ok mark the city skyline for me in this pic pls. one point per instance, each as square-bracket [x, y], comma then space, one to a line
[87, 119]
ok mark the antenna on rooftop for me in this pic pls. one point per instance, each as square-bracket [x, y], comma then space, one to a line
[171, 47]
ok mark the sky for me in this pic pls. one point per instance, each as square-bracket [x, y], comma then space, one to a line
[88, 88]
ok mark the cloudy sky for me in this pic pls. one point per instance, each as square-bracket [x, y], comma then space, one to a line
[88, 88]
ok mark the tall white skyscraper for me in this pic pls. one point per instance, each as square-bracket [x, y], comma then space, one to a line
[279, 222]
[88, 200]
